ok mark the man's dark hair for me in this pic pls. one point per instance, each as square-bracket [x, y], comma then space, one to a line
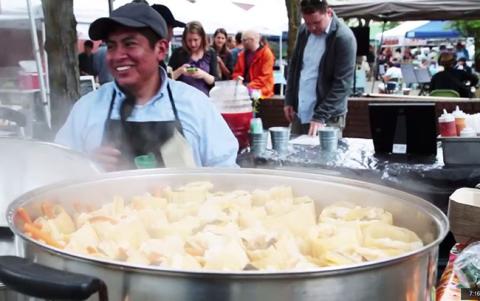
[151, 36]
[88, 43]
[312, 6]
[238, 38]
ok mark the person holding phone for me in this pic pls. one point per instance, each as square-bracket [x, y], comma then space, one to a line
[195, 63]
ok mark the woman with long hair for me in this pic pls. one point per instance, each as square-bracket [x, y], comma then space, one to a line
[195, 63]
[224, 57]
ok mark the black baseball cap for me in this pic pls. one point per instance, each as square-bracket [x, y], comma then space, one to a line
[167, 15]
[136, 15]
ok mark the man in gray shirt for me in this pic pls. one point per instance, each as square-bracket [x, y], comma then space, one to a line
[100, 67]
[321, 70]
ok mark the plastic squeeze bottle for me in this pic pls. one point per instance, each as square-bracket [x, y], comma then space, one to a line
[460, 117]
[446, 123]
[468, 132]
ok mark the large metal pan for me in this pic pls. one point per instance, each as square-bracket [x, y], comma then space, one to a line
[408, 277]
[28, 164]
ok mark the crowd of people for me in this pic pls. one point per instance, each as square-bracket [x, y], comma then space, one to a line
[154, 97]
[450, 66]
[201, 60]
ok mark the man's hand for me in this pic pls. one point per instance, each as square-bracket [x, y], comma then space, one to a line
[289, 113]
[314, 127]
[107, 156]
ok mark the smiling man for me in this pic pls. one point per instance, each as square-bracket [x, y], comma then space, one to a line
[142, 110]
[320, 71]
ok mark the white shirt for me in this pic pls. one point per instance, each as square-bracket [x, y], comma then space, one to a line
[307, 90]
[394, 72]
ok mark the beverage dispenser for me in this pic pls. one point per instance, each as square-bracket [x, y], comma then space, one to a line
[233, 101]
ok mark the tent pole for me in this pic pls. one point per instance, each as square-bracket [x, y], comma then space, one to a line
[110, 7]
[38, 60]
[45, 58]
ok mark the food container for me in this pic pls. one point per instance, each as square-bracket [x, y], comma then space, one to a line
[463, 213]
[233, 101]
[460, 150]
[410, 276]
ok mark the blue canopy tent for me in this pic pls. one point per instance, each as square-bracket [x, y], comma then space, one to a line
[433, 30]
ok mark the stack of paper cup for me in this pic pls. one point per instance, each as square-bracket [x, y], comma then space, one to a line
[256, 126]
[258, 142]
[280, 137]
[328, 139]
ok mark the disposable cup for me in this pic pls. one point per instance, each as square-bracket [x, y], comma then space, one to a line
[328, 139]
[280, 137]
[258, 142]
[146, 161]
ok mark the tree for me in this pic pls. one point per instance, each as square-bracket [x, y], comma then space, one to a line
[60, 44]
[391, 24]
[294, 18]
[470, 29]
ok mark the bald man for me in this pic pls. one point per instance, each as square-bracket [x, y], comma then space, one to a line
[255, 64]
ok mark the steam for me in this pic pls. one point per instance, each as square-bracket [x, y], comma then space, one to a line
[26, 165]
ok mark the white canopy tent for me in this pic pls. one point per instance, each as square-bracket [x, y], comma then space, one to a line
[28, 14]
[269, 17]
[266, 16]
[396, 35]
[14, 13]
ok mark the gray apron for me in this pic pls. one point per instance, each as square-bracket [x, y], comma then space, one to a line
[134, 138]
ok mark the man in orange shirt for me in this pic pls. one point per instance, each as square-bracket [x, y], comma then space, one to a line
[255, 64]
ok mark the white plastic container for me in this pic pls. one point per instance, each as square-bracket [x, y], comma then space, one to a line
[231, 96]
[233, 101]
[468, 132]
